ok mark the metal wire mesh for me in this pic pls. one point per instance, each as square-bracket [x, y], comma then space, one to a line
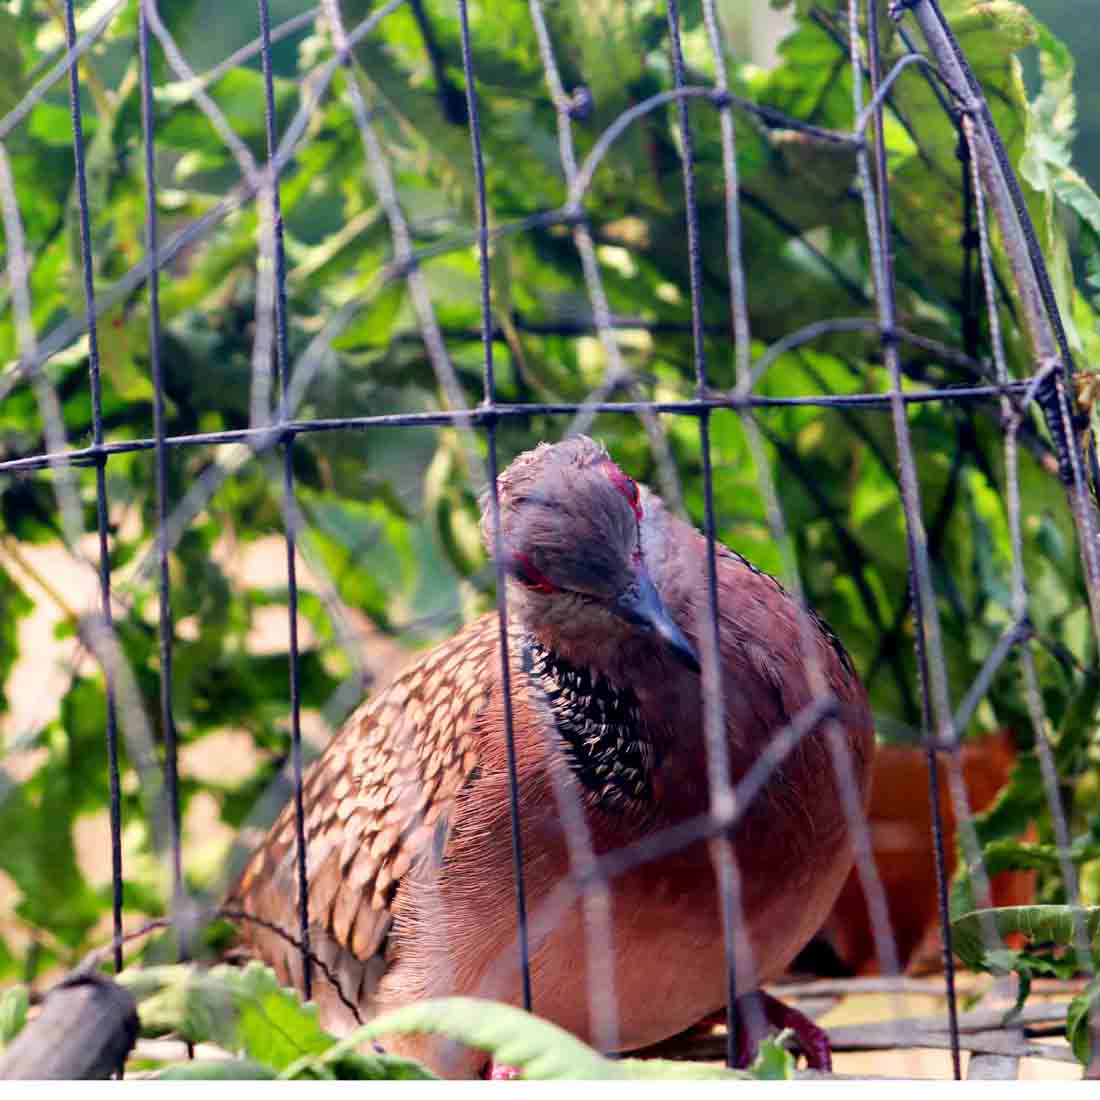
[988, 182]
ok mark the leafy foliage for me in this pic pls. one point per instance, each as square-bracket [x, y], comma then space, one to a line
[246, 1011]
[1044, 925]
[247, 1014]
[536, 1048]
[14, 1002]
[389, 516]
[1081, 1018]
[1052, 948]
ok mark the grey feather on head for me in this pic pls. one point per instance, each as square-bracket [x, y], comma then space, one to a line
[567, 519]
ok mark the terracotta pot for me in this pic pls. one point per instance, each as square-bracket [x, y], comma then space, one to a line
[901, 837]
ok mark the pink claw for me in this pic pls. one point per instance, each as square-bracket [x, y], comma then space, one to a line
[811, 1039]
[495, 1071]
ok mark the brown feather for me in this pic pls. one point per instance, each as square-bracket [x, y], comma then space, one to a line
[365, 812]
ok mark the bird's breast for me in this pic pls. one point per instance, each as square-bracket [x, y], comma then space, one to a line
[600, 726]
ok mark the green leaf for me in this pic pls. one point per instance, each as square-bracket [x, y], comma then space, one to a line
[350, 1065]
[341, 1063]
[14, 1003]
[1023, 989]
[1047, 166]
[774, 1062]
[43, 864]
[217, 1069]
[247, 1013]
[1078, 724]
[1017, 855]
[992, 29]
[538, 1049]
[1040, 923]
[1082, 1009]
[15, 607]
[12, 82]
[242, 1010]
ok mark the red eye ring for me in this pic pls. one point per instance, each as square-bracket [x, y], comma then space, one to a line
[626, 486]
[529, 575]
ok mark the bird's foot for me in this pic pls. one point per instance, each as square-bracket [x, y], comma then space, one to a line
[812, 1040]
[496, 1071]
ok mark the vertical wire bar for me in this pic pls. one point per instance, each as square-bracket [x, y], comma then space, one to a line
[171, 762]
[877, 202]
[494, 497]
[948, 731]
[596, 895]
[1020, 598]
[100, 487]
[718, 764]
[282, 367]
[404, 258]
[966, 289]
[618, 376]
[870, 879]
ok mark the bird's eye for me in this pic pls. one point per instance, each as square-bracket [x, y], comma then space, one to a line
[529, 575]
[626, 486]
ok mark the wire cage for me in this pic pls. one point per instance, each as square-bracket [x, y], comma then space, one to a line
[1004, 284]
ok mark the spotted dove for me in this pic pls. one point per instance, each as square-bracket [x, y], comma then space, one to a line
[408, 846]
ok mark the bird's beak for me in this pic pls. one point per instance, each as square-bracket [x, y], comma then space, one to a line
[640, 604]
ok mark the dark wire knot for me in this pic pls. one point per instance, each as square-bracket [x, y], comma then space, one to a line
[580, 104]
[403, 267]
[964, 107]
[1049, 400]
[572, 214]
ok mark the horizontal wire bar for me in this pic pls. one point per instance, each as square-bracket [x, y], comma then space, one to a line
[262, 438]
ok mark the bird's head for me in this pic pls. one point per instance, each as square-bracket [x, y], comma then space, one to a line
[571, 539]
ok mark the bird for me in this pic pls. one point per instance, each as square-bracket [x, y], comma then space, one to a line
[408, 847]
